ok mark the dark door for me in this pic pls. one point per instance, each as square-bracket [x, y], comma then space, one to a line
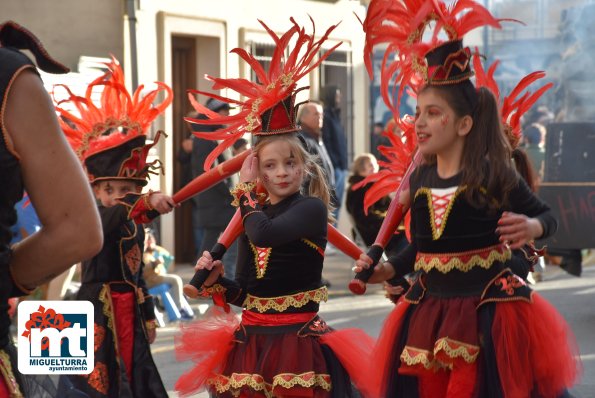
[184, 77]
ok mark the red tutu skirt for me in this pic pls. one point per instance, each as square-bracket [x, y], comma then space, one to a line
[262, 359]
[442, 344]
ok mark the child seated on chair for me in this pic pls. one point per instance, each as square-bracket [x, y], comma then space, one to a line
[368, 225]
[156, 260]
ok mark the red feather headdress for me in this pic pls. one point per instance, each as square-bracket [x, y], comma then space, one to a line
[273, 92]
[514, 105]
[109, 137]
[411, 29]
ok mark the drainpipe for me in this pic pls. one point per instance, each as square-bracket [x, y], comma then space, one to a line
[131, 14]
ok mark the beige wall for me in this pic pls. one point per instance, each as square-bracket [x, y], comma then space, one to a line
[71, 28]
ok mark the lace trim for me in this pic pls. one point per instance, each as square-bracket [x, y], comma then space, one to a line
[437, 233]
[451, 348]
[236, 381]
[261, 259]
[282, 303]
[313, 246]
[463, 261]
[8, 376]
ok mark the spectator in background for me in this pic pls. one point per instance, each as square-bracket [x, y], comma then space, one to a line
[377, 139]
[213, 206]
[368, 225]
[185, 159]
[335, 141]
[310, 118]
[533, 135]
[239, 146]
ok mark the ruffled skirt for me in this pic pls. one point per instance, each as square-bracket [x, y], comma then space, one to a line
[455, 347]
[289, 359]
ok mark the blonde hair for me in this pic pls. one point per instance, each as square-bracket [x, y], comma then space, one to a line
[318, 186]
[359, 162]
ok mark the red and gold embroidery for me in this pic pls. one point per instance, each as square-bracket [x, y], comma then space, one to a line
[99, 336]
[256, 382]
[98, 378]
[314, 246]
[462, 261]
[440, 202]
[133, 259]
[261, 259]
[282, 303]
[509, 283]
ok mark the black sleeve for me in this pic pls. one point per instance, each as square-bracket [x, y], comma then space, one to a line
[404, 261]
[244, 261]
[112, 218]
[523, 201]
[305, 218]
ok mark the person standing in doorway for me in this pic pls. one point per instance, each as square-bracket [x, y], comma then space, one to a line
[335, 140]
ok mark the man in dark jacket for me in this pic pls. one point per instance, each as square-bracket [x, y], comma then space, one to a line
[310, 120]
[335, 140]
[212, 208]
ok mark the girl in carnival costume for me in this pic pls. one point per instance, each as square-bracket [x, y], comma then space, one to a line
[468, 327]
[280, 348]
[110, 139]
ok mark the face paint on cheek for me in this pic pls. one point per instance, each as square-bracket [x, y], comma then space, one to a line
[444, 120]
[266, 178]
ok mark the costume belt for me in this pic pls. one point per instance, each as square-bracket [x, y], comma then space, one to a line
[282, 303]
[462, 261]
[250, 318]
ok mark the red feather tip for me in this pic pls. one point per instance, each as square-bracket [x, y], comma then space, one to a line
[272, 85]
[116, 109]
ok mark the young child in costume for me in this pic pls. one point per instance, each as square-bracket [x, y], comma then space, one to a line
[468, 327]
[281, 348]
[110, 141]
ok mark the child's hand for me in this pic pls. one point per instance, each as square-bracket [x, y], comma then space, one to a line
[206, 262]
[381, 273]
[518, 229]
[162, 203]
[249, 170]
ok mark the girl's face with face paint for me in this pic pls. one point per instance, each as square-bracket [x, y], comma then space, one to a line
[281, 170]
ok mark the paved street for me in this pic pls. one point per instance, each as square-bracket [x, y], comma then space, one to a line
[574, 298]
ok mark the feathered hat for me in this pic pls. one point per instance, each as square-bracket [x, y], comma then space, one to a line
[268, 105]
[109, 137]
[424, 43]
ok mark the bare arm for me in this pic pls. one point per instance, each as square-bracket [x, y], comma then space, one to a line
[56, 184]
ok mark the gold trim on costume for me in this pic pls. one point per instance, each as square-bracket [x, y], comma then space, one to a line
[282, 303]
[261, 263]
[7, 374]
[462, 261]
[313, 246]
[437, 233]
[453, 349]
[236, 381]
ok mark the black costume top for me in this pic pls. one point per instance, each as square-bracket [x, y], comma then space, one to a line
[119, 263]
[281, 256]
[448, 230]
